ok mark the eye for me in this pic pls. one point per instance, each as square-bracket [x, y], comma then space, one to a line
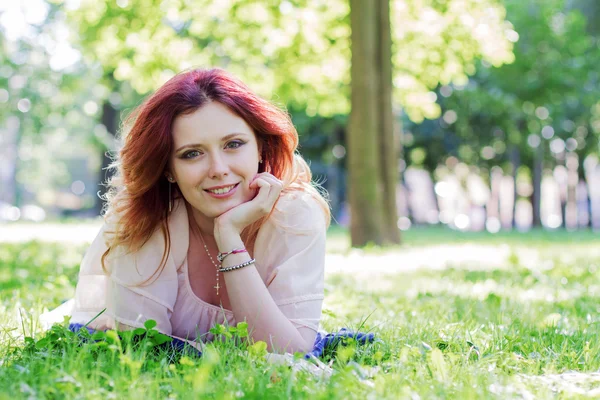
[190, 154]
[234, 144]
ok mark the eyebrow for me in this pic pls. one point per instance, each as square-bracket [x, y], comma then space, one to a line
[224, 139]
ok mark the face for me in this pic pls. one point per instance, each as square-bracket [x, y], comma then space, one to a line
[215, 158]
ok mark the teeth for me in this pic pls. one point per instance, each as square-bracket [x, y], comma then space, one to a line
[222, 190]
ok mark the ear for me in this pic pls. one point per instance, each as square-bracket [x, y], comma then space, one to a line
[169, 176]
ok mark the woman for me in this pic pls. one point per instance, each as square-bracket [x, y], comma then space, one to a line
[211, 218]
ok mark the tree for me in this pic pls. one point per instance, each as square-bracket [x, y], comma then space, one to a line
[511, 115]
[371, 140]
[47, 111]
[444, 56]
[591, 9]
[299, 52]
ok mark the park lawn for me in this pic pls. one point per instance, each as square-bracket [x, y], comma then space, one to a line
[467, 331]
[338, 239]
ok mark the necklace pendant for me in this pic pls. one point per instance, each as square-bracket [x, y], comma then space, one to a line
[212, 261]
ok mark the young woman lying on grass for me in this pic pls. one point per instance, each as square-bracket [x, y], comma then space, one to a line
[211, 218]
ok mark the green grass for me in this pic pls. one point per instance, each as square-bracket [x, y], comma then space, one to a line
[462, 332]
[339, 239]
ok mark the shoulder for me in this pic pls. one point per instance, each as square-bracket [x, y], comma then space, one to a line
[167, 246]
[297, 212]
[297, 225]
[292, 238]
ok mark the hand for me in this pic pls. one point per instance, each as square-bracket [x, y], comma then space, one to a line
[239, 217]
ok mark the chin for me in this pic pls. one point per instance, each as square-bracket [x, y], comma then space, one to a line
[214, 212]
[226, 207]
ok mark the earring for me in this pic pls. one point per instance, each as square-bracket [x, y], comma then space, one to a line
[260, 160]
[170, 198]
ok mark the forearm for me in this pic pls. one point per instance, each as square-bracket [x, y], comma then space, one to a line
[251, 301]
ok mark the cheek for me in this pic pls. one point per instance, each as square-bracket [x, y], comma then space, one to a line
[188, 175]
[246, 170]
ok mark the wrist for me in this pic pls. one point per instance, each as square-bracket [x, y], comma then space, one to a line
[222, 256]
[222, 227]
[227, 238]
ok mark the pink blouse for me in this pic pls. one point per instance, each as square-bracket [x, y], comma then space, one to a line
[289, 253]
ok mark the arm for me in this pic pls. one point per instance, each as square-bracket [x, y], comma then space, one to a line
[275, 311]
[251, 301]
[118, 289]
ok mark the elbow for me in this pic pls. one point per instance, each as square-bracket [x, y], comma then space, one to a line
[299, 346]
[302, 347]
[304, 341]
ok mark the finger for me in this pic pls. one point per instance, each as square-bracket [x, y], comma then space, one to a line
[267, 198]
[259, 182]
[275, 189]
[273, 180]
[274, 194]
[257, 176]
[264, 188]
[275, 183]
[269, 177]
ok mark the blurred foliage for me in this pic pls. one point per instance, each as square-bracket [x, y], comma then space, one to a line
[295, 51]
[549, 93]
[72, 59]
[48, 113]
[439, 42]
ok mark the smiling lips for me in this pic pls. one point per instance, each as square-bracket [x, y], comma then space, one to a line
[221, 190]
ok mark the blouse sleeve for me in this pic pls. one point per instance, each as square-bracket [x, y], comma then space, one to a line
[131, 289]
[290, 255]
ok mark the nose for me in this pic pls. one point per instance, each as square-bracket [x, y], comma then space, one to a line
[218, 166]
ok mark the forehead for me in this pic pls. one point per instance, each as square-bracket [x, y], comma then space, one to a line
[210, 122]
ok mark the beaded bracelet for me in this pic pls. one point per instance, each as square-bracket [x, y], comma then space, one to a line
[221, 256]
[242, 265]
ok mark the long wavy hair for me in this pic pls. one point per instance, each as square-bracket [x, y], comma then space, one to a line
[137, 196]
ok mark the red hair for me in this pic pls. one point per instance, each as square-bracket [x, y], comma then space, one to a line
[138, 193]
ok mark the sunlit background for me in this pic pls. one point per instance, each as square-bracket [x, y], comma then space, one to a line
[498, 101]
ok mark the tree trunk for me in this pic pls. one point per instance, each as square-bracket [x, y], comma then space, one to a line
[536, 200]
[562, 182]
[372, 160]
[110, 120]
[571, 212]
[389, 140]
[515, 161]
[365, 186]
[338, 198]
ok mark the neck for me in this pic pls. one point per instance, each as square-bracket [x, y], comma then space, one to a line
[205, 225]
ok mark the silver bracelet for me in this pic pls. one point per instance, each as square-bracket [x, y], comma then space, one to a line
[242, 265]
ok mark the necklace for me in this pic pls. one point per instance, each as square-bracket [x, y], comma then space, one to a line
[212, 261]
